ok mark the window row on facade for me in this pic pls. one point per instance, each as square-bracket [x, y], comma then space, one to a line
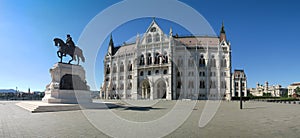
[121, 86]
[202, 74]
[202, 62]
[121, 68]
[150, 72]
[202, 84]
[158, 59]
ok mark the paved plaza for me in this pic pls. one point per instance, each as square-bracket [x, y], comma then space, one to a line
[258, 119]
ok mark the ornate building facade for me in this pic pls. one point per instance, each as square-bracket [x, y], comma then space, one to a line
[167, 66]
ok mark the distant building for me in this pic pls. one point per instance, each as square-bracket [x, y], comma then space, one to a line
[267, 90]
[239, 84]
[292, 87]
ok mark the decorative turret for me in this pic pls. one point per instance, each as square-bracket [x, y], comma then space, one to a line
[110, 46]
[222, 33]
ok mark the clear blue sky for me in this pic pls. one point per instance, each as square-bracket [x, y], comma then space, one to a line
[263, 33]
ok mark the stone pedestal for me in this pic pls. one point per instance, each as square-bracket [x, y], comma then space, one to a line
[68, 85]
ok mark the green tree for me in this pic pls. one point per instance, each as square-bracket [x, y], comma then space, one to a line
[297, 90]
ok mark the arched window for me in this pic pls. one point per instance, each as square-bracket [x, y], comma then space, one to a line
[212, 84]
[115, 68]
[129, 86]
[149, 38]
[142, 60]
[149, 62]
[201, 61]
[202, 74]
[165, 58]
[191, 62]
[129, 66]
[141, 73]
[191, 84]
[122, 67]
[156, 37]
[213, 61]
[223, 84]
[157, 60]
[224, 62]
[202, 84]
[107, 69]
[121, 86]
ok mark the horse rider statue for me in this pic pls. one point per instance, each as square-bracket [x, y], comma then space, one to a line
[70, 43]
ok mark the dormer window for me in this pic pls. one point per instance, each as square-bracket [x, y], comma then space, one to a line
[153, 29]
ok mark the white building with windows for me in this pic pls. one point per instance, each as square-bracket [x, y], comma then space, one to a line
[268, 90]
[239, 87]
[167, 66]
[292, 88]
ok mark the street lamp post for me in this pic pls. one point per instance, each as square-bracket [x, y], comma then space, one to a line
[241, 99]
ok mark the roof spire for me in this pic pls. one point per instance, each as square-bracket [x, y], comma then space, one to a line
[110, 45]
[111, 42]
[222, 33]
[222, 28]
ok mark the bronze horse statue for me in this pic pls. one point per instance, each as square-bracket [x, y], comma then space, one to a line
[64, 50]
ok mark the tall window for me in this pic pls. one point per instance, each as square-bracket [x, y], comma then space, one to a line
[212, 84]
[202, 74]
[224, 62]
[115, 68]
[157, 60]
[122, 67]
[157, 38]
[201, 61]
[202, 84]
[149, 58]
[141, 73]
[149, 38]
[129, 86]
[107, 69]
[129, 66]
[223, 84]
[142, 60]
[213, 61]
[191, 84]
[191, 62]
[122, 86]
[179, 84]
[165, 57]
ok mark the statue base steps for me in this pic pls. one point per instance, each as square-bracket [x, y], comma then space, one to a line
[38, 106]
[67, 96]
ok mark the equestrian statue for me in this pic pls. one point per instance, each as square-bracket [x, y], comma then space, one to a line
[68, 48]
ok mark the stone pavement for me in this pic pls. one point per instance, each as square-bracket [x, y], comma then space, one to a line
[258, 119]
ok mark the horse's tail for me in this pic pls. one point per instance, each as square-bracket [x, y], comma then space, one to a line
[82, 57]
[80, 54]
